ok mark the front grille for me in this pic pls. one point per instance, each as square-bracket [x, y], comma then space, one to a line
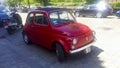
[84, 39]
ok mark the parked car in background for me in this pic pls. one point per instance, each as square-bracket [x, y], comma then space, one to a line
[9, 19]
[33, 7]
[99, 10]
[22, 9]
[56, 29]
[118, 13]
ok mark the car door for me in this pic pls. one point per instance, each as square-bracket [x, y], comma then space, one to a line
[92, 10]
[28, 24]
[41, 31]
[85, 11]
[88, 10]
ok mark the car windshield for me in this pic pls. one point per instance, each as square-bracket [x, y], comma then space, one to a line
[3, 9]
[89, 7]
[59, 17]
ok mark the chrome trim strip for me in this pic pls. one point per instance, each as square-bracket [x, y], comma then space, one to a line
[80, 49]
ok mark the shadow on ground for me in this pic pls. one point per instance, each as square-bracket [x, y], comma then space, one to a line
[35, 56]
[78, 60]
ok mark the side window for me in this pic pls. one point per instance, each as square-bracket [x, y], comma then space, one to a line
[54, 18]
[30, 17]
[40, 19]
[92, 7]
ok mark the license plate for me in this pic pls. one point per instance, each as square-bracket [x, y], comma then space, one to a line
[87, 50]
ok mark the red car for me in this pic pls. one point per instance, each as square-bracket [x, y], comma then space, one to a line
[56, 29]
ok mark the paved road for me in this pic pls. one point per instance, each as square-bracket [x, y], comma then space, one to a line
[14, 53]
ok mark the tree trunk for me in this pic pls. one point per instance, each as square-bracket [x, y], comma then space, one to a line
[45, 2]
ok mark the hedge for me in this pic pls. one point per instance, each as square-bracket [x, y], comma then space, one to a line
[115, 5]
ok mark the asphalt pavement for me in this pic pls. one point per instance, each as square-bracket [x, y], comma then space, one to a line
[14, 53]
[3, 32]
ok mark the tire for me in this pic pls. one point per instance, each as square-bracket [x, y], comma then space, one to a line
[17, 18]
[9, 31]
[26, 39]
[60, 52]
[99, 15]
[77, 14]
[105, 15]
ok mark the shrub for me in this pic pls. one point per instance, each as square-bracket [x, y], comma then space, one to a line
[115, 5]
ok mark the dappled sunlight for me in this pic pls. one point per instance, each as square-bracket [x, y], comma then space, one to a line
[108, 36]
[112, 59]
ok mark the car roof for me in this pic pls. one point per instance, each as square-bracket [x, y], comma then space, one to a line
[50, 9]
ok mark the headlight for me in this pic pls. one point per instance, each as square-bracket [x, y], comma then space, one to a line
[75, 41]
[94, 33]
[118, 12]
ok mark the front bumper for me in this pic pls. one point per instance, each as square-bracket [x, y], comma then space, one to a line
[81, 48]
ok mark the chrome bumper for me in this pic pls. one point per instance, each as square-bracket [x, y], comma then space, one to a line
[81, 48]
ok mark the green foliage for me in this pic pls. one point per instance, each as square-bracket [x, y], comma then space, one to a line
[65, 4]
[47, 2]
[115, 5]
[25, 2]
[13, 3]
[90, 1]
[10, 2]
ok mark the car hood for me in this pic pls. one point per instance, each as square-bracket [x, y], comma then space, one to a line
[72, 29]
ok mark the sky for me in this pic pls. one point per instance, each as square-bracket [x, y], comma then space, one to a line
[1, 0]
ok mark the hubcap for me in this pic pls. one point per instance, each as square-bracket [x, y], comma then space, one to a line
[99, 15]
[57, 52]
[77, 14]
[26, 38]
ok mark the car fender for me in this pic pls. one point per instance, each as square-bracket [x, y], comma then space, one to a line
[118, 13]
[65, 46]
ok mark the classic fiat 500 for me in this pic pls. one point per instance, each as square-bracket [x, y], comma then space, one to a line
[57, 29]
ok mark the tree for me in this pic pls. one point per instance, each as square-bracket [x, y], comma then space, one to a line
[19, 2]
[10, 2]
[13, 3]
[43, 2]
[90, 1]
[29, 3]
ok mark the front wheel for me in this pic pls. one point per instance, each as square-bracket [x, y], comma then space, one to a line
[60, 52]
[77, 14]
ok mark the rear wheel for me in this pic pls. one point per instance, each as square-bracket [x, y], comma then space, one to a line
[17, 19]
[99, 15]
[11, 29]
[26, 39]
[60, 52]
